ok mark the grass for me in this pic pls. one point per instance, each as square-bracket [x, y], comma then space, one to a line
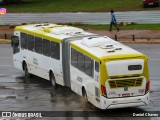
[122, 27]
[77, 6]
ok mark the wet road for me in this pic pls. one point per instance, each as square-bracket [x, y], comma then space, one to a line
[36, 94]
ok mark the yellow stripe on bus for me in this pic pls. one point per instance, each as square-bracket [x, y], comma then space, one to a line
[38, 33]
[85, 52]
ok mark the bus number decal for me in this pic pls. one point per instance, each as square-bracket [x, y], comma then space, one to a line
[35, 61]
[97, 77]
[79, 79]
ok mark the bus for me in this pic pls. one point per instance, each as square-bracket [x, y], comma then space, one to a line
[105, 72]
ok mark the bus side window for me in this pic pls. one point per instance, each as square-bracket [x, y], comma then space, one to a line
[14, 41]
[55, 50]
[24, 37]
[31, 43]
[46, 47]
[74, 58]
[89, 66]
[81, 61]
[38, 45]
[97, 67]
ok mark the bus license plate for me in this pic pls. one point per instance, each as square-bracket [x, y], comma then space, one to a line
[126, 95]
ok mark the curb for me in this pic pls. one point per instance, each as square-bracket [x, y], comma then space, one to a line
[5, 41]
[129, 42]
[140, 41]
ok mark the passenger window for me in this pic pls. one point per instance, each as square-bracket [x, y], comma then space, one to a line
[55, 50]
[81, 61]
[24, 37]
[74, 58]
[97, 67]
[38, 45]
[46, 47]
[30, 42]
[89, 66]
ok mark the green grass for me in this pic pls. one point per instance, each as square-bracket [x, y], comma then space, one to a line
[122, 27]
[77, 6]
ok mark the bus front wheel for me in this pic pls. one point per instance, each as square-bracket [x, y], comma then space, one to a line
[53, 80]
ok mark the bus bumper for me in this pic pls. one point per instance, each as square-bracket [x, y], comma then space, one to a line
[124, 102]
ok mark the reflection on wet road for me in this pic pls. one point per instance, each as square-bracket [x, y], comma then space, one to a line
[36, 94]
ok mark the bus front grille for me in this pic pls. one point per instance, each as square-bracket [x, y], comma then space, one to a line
[135, 82]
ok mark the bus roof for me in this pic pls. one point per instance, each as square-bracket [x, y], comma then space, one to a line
[104, 48]
[52, 31]
[94, 46]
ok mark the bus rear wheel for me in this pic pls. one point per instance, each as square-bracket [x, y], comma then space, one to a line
[53, 80]
[27, 74]
[84, 93]
[86, 104]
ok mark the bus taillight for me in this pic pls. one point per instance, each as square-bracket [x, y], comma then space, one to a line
[103, 90]
[147, 86]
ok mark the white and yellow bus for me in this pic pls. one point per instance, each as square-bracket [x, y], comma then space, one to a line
[107, 73]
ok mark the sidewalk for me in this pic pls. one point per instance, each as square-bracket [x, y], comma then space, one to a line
[125, 36]
[140, 17]
[131, 36]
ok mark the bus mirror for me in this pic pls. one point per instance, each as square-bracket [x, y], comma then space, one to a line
[14, 41]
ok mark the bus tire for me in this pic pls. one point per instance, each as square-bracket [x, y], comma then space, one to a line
[84, 93]
[52, 80]
[27, 74]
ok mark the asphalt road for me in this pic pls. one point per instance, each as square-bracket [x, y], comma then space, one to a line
[139, 17]
[36, 94]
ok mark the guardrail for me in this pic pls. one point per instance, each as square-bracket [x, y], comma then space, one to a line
[84, 17]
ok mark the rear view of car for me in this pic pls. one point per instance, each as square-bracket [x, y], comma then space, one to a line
[147, 3]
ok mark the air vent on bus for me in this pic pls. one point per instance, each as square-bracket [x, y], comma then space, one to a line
[75, 33]
[106, 46]
[132, 82]
[94, 41]
[118, 48]
[38, 25]
[91, 38]
[110, 51]
[45, 24]
[65, 30]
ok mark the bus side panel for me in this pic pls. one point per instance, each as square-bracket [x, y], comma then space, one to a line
[40, 65]
[17, 61]
[34, 64]
[18, 56]
[80, 79]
